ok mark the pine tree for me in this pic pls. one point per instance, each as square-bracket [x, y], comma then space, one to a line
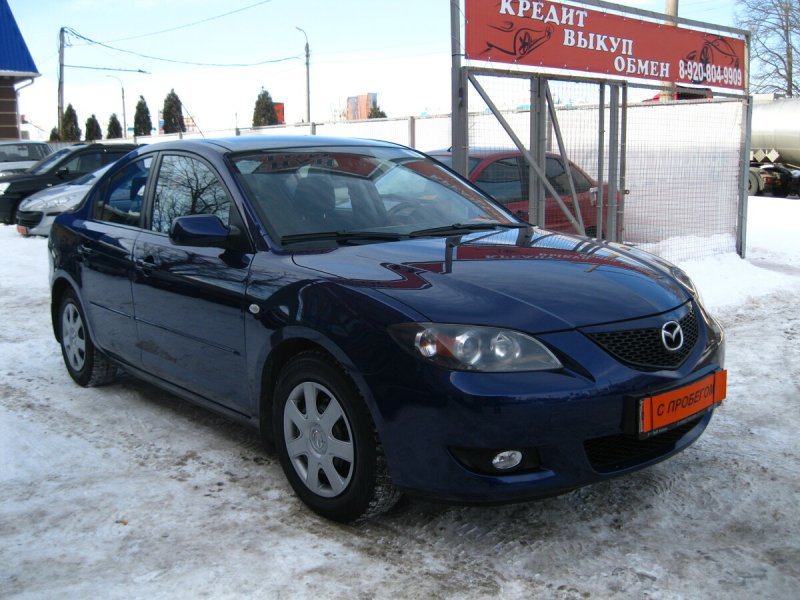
[54, 135]
[264, 111]
[173, 115]
[114, 130]
[142, 125]
[70, 132]
[93, 129]
[376, 113]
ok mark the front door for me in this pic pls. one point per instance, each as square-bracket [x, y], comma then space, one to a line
[190, 301]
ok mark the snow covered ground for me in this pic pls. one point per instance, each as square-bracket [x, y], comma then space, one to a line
[127, 492]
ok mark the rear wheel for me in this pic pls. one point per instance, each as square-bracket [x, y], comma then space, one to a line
[85, 364]
[327, 443]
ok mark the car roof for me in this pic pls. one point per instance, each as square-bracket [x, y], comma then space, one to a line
[265, 142]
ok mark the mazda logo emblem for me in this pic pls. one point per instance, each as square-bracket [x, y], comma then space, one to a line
[672, 336]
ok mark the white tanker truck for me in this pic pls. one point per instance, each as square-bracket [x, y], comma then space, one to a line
[775, 147]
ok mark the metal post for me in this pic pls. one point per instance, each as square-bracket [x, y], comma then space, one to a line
[60, 81]
[613, 163]
[623, 165]
[308, 77]
[601, 148]
[412, 132]
[538, 141]
[741, 217]
[458, 96]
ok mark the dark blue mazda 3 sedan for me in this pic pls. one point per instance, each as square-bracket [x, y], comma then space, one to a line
[387, 326]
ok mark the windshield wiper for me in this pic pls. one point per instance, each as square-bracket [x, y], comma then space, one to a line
[341, 237]
[463, 228]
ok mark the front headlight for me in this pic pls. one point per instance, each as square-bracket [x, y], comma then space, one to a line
[4, 187]
[686, 282]
[474, 348]
[65, 202]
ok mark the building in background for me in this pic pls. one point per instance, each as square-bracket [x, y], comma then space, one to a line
[358, 107]
[16, 65]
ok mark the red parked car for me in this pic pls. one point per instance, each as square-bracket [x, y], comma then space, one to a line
[503, 174]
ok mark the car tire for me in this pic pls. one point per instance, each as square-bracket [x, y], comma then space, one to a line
[85, 363]
[329, 450]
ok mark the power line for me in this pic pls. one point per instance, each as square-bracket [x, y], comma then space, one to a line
[179, 62]
[176, 28]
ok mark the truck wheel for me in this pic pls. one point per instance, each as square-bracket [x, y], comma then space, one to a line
[752, 185]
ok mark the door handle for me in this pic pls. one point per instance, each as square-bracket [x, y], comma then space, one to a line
[147, 264]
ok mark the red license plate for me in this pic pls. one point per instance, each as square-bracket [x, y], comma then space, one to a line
[663, 411]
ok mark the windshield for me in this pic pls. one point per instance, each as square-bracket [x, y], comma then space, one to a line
[22, 152]
[372, 193]
[44, 165]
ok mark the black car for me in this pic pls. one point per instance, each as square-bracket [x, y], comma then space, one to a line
[62, 165]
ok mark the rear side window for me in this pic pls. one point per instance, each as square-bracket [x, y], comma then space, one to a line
[187, 186]
[557, 175]
[85, 162]
[124, 195]
[501, 180]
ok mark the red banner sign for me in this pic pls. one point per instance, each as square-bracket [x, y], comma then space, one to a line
[561, 36]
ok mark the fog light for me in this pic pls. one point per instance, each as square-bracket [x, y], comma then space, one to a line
[507, 459]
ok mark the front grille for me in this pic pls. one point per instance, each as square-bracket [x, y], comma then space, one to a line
[643, 348]
[29, 219]
[617, 452]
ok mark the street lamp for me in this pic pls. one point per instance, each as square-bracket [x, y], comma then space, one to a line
[308, 79]
[124, 118]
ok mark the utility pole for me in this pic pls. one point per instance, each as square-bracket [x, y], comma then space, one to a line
[124, 117]
[60, 79]
[670, 9]
[308, 78]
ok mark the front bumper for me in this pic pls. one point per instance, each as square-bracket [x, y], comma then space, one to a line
[34, 222]
[574, 426]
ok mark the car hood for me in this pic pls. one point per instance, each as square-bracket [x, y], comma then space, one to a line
[532, 279]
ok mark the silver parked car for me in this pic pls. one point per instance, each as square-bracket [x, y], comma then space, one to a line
[18, 155]
[36, 213]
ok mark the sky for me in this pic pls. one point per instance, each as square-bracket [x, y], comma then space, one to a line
[397, 49]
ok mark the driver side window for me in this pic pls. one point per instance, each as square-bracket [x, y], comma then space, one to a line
[187, 186]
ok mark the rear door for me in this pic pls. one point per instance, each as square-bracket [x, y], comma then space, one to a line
[106, 255]
[190, 301]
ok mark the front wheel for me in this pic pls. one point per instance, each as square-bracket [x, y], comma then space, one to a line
[85, 364]
[327, 443]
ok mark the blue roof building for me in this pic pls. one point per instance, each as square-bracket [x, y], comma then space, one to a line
[16, 64]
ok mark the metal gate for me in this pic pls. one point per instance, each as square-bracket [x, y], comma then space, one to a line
[517, 108]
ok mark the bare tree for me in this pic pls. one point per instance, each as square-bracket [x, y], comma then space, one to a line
[775, 26]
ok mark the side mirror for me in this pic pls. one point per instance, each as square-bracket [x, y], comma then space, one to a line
[62, 173]
[201, 231]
